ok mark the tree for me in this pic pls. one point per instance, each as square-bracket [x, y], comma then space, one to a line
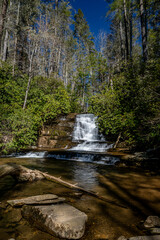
[32, 49]
[85, 49]
[144, 31]
[126, 29]
[3, 13]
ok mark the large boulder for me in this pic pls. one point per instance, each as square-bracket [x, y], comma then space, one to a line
[61, 220]
[20, 173]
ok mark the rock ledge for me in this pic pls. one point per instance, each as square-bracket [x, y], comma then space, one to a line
[61, 220]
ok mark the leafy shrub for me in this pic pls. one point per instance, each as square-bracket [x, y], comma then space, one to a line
[47, 99]
[25, 126]
[131, 107]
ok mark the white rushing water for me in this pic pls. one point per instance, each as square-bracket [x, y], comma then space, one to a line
[86, 133]
[91, 146]
[32, 155]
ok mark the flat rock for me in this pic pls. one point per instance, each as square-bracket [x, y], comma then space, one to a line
[152, 221]
[122, 238]
[155, 230]
[36, 200]
[155, 237]
[61, 220]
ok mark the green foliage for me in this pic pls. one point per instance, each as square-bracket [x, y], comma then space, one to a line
[11, 90]
[121, 89]
[56, 104]
[47, 99]
[75, 103]
[25, 125]
[131, 107]
[62, 97]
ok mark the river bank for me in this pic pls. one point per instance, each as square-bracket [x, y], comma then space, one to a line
[137, 189]
[118, 174]
[149, 159]
[121, 157]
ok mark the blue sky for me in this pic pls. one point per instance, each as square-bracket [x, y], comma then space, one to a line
[94, 12]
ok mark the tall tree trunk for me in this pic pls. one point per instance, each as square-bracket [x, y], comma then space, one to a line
[50, 64]
[5, 43]
[83, 99]
[126, 29]
[27, 90]
[5, 46]
[2, 19]
[122, 40]
[56, 5]
[66, 76]
[58, 60]
[143, 17]
[16, 39]
[131, 28]
[30, 75]
[29, 81]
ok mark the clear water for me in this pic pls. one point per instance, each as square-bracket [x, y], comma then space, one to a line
[90, 167]
[73, 155]
[137, 190]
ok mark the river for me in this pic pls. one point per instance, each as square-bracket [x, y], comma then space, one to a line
[137, 190]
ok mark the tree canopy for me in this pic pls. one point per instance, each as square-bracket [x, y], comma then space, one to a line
[50, 66]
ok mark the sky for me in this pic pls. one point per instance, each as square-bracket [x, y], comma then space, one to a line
[94, 12]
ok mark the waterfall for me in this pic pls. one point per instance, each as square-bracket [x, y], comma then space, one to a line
[91, 145]
[87, 135]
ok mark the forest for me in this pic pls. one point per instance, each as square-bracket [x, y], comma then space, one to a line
[51, 65]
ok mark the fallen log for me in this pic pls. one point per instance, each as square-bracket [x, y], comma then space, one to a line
[76, 187]
[20, 173]
[23, 174]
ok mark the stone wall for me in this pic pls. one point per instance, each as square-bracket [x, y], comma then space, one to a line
[58, 134]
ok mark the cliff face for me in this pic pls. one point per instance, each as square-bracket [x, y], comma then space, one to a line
[58, 134]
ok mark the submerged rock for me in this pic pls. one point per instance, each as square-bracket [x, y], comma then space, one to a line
[157, 237]
[61, 220]
[36, 200]
[152, 221]
[122, 238]
[155, 230]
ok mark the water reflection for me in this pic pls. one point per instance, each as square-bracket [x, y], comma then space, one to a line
[85, 175]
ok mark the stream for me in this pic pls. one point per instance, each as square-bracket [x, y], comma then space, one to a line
[88, 165]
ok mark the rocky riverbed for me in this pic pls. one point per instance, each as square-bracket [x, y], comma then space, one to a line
[137, 190]
[49, 213]
[149, 159]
